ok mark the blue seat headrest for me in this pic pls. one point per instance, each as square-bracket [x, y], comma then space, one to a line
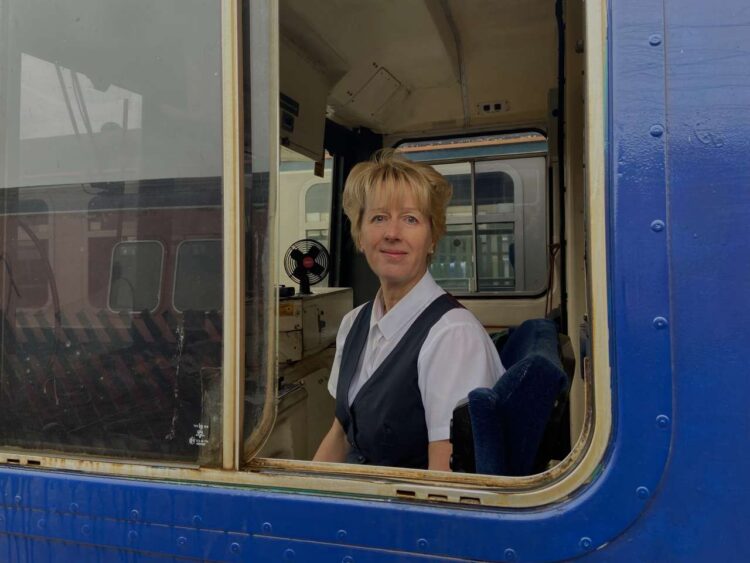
[535, 336]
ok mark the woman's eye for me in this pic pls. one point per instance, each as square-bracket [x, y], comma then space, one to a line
[377, 218]
[411, 219]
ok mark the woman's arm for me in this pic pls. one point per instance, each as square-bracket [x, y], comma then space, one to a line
[439, 455]
[334, 446]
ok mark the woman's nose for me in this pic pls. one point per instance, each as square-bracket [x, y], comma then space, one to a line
[392, 231]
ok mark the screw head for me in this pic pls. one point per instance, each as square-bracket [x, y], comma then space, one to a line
[662, 421]
[510, 554]
[654, 40]
[73, 507]
[134, 515]
[266, 527]
[657, 226]
[422, 543]
[341, 534]
[656, 131]
[348, 559]
[197, 520]
[86, 529]
[585, 542]
[642, 492]
[660, 322]
[289, 555]
[132, 535]
[234, 548]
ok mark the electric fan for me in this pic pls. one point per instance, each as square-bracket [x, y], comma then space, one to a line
[306, 262]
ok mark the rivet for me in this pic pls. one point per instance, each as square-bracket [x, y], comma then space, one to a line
[422, 543]
[660, 322]
[289, 554]
[73, 507]
[86, 529]
[657, 226]
[662, 421]
[266, 527]
[585, 542]
[134, 515]
[132, 535]
[234, 548]
[18, 499]
[642, 492]
[510, 554]
[654, 40]
[348, 559]
[656, 130]
[41, 524]
[341, 534]
[182, 540]
[197, 520]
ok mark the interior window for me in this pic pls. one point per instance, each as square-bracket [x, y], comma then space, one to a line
[496, 239]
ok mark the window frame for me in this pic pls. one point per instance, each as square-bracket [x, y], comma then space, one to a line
[581, 466]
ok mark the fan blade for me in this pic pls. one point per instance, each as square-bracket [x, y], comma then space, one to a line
[299, 272]
[313, 252]
[296, 255]
[317, 269]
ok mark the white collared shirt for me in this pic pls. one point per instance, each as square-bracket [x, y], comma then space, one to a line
[457, 356]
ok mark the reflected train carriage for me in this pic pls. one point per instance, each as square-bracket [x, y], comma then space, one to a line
[165, 169]
[112, 313]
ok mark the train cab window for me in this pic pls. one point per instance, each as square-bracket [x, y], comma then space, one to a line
[119, 156]
[135, 279]
[197, 280]
[496, 241]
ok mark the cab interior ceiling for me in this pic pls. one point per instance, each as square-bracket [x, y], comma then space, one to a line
[411, 68]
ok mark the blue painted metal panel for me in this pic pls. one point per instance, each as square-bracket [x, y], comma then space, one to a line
[701, 511]
[679, 268]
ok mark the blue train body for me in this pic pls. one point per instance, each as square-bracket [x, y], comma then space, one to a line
[672, 485]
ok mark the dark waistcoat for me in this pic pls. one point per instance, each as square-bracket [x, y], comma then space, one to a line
[385, 424]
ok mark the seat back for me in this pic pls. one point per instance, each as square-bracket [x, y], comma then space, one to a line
[509, 421]
[501, 431]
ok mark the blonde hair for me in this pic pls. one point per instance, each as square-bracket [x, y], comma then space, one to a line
[387, 174]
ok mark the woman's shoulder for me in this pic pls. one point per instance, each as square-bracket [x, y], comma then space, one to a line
[458, 318]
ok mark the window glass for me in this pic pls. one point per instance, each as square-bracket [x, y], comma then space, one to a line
[318, 203]
[496, 240]
[110, 158]
[197, 283]
[496, 257]
[453, 261]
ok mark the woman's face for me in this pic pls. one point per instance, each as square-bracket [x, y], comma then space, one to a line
[396, 238]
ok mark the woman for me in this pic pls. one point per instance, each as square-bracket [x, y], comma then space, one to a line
[404, 360]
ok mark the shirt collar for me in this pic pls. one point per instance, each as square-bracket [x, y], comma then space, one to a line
[406, 309]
